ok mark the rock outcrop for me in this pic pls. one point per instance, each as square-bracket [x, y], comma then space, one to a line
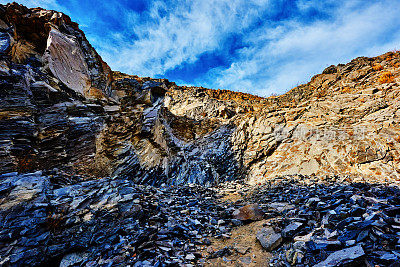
[63, 107]
[349, 124]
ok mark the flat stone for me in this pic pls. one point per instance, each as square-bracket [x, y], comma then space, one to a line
[291, 229]
[388, 257]
[350, 243]
[241, 250]
[72, 259]
[348, 235]
[303, 238]
[345, 255]
[281, 206]
[269, 239]
[190, 257]
[327, 244]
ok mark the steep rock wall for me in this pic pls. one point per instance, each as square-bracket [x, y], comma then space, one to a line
[32, 33]
[61, 106]
[348, 123]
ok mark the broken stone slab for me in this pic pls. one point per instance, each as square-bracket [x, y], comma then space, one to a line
[269, 239]
[249, 212]
[344, 256]
[281, 206]
[291, 229]
[303, 238]
[112, 109]
[327, 244]
[72, 259]
[242, 250]
[66, 61]
[226, 251]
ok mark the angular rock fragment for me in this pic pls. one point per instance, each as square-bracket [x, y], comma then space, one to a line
[345, 256]
[269, 239]
[291, 229]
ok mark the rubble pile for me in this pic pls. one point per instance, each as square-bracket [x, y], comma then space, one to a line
[105, 221]
[114, 221]
[327, 223]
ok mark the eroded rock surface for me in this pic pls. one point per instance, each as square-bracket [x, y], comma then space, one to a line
[344, 121]
[64, 58]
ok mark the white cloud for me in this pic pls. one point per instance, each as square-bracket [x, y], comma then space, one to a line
[178, 32]
[295, 51]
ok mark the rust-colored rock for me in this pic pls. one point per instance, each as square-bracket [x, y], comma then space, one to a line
[249, 212]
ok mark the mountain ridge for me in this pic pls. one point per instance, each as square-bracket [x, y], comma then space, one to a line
[153, 131]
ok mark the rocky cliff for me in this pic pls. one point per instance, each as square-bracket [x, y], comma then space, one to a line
[62, 107]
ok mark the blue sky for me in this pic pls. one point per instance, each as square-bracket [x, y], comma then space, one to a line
[256, 46]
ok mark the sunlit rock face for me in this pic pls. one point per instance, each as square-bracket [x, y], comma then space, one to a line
[81, 145]
[349, 125]
[66, 62]
[62, 107]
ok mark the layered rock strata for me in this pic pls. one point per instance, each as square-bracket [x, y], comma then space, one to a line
[63, 107]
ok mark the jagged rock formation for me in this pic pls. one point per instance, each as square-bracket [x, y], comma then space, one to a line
[62, 106]
[348, 125]
[352, 117]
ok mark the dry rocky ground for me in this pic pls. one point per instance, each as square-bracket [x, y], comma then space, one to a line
[291, 220]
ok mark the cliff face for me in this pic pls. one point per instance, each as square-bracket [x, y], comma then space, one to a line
[345, 121]
[48, 71]
[62, 107]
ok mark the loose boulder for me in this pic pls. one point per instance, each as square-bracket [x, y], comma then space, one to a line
[249, 212]
[344, 256]
[269, 239]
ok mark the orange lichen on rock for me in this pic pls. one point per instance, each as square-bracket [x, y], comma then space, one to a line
[95, 93]
[345, 90]
[377, 67]
[222, 94]
[386, 77]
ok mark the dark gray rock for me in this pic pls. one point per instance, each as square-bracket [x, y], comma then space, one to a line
[5, 41]
[291, 229]
[348, 255]
[269, 239]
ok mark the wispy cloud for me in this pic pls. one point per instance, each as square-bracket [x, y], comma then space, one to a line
[277, 44]
[293, 51]
[169, 34]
